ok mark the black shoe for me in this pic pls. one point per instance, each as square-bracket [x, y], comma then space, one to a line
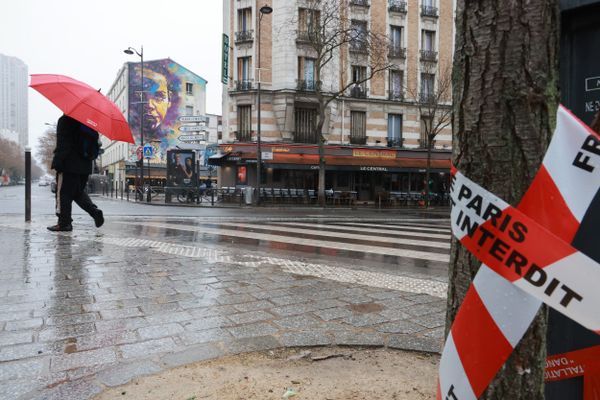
[60, 228]
[99, 219]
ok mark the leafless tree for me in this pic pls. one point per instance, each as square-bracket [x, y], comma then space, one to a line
[46, 145]
[434, 103]
[505, 95]
[328, 34]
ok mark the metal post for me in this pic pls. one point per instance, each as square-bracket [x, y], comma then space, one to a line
[142, 119]
[27, 184]
[258, 148]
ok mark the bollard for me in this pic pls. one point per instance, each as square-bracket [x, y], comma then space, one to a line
[212, 197]
[27, 184]
[127, 193]
[121, 188]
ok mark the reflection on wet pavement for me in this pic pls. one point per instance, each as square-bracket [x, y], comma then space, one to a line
[94, 308]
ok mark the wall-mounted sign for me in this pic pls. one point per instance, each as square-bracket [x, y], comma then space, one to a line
[373, 153]
[375, 169]
[192, 128]
[592, 83]
[280, 149]
[192, 138]
[225, 60]
[266, 155]
[193, 118]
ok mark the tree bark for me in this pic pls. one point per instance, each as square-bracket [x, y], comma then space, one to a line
[505, 98]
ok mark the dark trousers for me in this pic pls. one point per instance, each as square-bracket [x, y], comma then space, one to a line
[71, 188]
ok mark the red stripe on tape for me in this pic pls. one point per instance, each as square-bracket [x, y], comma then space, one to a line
[544, 203]
[479, 342]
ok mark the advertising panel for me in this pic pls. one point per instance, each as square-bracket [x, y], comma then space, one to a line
[181, 168]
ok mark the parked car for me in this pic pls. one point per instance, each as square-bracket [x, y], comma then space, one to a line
[43, 183]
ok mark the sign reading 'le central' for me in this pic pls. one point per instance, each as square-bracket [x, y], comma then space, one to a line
[374, 153]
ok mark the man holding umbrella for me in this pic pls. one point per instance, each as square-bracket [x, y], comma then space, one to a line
[73, 167]
[87, 112]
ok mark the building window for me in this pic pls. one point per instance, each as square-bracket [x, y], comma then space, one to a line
[428, 8]
[244, 19]
[427, 88]
[244, 70]
[305, 121]
[358, 38]
[394, 137]
[308, 23]
[244, 120]
[396, 36]
[425, 130]
[358, 127]
[189, 110]
[189, 88]
[427, 40]
[306, 74]
[396, 85]
[359, 77]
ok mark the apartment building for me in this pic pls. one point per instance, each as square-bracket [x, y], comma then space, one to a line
[14, 79]
[374, 131]
[171, 114]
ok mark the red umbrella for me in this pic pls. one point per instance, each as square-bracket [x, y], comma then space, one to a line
[82, 102]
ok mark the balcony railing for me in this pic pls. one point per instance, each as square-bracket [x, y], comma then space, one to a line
[396, 51]
[358, 139]
[244, 36]
[358, 46]
[429, 11]
[308, 85]
[429, 55]
[306, 37]
[360, 3]
[396, 95]
[243, 85]
[243, 136]
[427, 98]
[358, 92]
[397, 6]
[394, 142]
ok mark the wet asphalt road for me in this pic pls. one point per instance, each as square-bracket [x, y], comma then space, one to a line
[158, 287]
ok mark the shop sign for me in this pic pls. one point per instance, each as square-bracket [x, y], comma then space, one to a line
[375, 169]
[266, 155]
[227, 149]
[374, 153]
[280, 149]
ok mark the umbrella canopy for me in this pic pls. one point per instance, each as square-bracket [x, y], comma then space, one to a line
[82, 102]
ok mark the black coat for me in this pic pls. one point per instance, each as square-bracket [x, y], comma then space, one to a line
[67, 156]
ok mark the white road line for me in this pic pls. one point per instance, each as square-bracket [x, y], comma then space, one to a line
[339, 274]
[334, 235]
[423, 255]
[369, 230]
[396, 226]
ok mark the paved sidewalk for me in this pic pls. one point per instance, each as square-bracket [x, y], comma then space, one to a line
[85, 310]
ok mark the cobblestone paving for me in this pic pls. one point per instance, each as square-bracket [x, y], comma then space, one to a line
[93, 308]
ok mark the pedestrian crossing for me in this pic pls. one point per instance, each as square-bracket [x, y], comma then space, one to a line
[396, 238]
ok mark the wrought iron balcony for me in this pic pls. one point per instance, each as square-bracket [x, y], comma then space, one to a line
[358, 140]
[396, 95]
[397, 6]
[358, 46]
[360, 3]
[358, 92]
[429, 11]
[308, 85]
[243, 85]
[243, 136]
[429, 55]
[306, 37]
[426, 98]
[244, 36]
[395, 142]
[396, 51]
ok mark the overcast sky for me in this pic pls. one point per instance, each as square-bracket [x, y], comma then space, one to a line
[85, 40]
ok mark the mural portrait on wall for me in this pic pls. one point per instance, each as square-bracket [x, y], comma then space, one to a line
[164, 102]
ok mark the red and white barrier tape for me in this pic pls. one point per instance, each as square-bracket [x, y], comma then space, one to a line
[495, 312]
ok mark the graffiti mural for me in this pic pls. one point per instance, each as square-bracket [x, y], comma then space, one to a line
[166, 87]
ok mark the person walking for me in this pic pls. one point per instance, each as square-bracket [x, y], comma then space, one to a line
[72, 162]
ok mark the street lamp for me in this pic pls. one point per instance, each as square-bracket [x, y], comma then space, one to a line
[263, 10]
[131, 51]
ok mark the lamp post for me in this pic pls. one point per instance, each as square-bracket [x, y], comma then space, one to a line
[131, 51]
[263, 10]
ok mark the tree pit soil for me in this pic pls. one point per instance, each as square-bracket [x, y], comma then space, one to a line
[324, 373]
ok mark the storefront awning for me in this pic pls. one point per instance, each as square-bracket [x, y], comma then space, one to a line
[218, 159]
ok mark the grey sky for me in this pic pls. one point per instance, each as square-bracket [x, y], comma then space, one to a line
[85, 40]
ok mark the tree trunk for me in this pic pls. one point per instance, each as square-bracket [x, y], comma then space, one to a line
[321, 146]
[505, 99]
[427, 174]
